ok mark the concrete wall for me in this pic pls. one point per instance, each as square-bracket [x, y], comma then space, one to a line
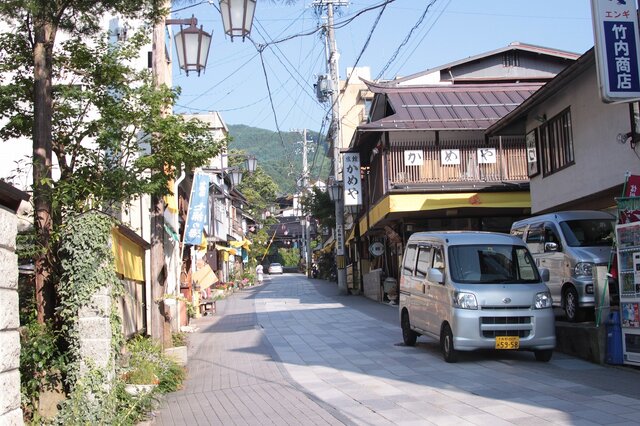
[600, 161]
[10, 412]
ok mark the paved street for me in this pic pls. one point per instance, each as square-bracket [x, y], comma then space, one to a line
[294, 352]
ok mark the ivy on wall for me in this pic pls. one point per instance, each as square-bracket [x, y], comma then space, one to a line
[88, 269]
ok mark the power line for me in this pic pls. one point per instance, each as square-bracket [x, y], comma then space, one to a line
[408, 55]
[406, 39]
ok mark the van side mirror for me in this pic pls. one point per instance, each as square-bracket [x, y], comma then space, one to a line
[544, 274]
[551, 247]
[435, 275]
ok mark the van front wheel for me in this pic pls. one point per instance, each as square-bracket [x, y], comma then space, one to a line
[446, 345]
[408, 335]
[543, 355]
[571, 308]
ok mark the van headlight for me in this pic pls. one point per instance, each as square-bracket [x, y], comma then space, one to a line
[583, 269]
[542, 300]
[464, 300]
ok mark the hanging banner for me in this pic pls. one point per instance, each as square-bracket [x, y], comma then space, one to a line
[615, 25]
[352, 182]
[198, 213]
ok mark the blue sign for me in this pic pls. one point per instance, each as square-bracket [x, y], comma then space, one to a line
[617, 41]
[198, 213]
[622, 58]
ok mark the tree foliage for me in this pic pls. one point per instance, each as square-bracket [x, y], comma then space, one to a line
[102, 113]
[258, 187]
[318, 204]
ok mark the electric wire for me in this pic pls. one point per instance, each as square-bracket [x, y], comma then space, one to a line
[419, 43]
[406, 39]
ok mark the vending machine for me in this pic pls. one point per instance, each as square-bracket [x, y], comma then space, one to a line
[628, 248]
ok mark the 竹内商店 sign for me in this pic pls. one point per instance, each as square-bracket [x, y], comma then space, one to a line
[615, 25]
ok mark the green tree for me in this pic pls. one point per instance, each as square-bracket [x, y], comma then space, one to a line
[258, 187]
[93, 120]
[318, 204]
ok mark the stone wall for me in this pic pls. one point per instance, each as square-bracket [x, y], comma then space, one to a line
[10, 412]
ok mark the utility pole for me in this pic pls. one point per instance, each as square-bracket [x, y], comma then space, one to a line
[336, 141]
[305, 186]
[159, 328]
[305, 190]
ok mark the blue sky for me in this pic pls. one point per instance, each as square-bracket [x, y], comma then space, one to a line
[234, 82]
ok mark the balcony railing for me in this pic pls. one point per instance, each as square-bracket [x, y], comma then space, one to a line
[457, 163]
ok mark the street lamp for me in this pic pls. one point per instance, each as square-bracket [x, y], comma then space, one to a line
[335, 191]
[192, 45]
[237, 17]
[234, 172]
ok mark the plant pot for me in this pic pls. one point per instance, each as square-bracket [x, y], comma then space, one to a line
[139, 389]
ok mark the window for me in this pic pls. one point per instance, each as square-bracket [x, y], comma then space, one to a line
[491, 264]
[438, 259]
[409, 260]
[511, 59]
[556, 143]
[424, 262]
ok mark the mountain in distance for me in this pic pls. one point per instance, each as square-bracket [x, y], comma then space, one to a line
[281, 158]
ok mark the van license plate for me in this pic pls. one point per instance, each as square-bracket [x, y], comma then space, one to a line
[507, 342]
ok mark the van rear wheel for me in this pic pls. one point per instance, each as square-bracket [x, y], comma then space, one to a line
[408, 335]
[446, 345]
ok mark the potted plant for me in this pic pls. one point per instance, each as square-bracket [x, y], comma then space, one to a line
[141, 377]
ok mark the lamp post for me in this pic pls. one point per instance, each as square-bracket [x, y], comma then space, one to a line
[237, 17]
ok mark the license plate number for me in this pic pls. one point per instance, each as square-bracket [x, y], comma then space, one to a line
[507, 342]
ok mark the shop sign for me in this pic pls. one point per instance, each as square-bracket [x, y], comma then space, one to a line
[450, 157]
[487, 155]
[413, 158]
[615, 25]
[351, 177]
[376, 249]
[340, 240]
[198, 212]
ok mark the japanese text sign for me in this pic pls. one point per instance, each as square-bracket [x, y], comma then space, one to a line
[352, 181]
[487, 156]
[413, 158]
[615, 25]
[450, 157]
[198, 214]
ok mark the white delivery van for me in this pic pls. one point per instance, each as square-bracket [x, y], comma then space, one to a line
[475, 290]
[570, 244]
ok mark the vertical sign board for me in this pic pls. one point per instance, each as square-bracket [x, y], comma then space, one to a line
[351, 177]
[615, 26]
[197, 215]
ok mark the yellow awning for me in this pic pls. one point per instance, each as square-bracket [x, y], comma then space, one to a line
[244, 244]
[399, 203]
[229, 250]
[129, 256]
[205, 277]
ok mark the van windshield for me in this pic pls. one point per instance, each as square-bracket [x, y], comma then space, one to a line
[588, 232]
[492, 264]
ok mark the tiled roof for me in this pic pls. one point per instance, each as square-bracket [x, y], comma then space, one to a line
[453, 107]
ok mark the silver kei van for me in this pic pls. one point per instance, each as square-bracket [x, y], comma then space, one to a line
[475, 290]
[571, 244]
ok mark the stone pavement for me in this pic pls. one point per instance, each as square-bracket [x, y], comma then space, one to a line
[294, 352]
